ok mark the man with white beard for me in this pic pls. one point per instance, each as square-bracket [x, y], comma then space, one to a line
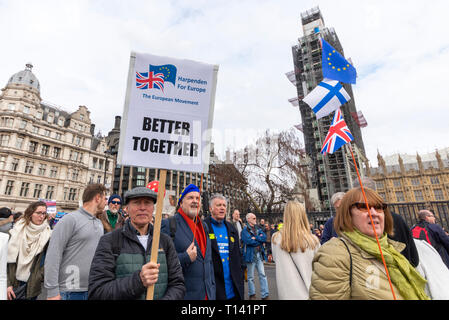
[112, 218]
[193, 245]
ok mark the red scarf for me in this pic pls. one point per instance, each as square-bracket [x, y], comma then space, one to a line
[197, 230]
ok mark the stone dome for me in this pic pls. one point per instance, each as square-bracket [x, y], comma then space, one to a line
[25, 77]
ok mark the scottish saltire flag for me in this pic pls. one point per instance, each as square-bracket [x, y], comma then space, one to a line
[149, 80]
[168, 70]
[338, 134]
[327, 97]
[335, 66]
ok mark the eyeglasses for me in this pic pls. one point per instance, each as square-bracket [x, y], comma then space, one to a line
[115, 202]
[362, 206]
[40, 213]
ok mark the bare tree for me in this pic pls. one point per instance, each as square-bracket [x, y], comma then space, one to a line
[275, 170]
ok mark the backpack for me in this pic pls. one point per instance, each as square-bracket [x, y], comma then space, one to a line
[420, 232]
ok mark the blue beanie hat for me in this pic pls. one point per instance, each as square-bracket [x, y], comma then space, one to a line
[114, 196]
[188, 189]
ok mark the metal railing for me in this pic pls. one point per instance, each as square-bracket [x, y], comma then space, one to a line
[409, 211]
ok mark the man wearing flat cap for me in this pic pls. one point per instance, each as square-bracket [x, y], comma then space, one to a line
[192, 245]
[121, 268]
[112, 218]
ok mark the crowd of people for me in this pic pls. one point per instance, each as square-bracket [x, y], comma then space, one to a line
[365, 251]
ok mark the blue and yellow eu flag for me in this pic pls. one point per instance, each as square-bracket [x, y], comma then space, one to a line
[335, 66]
[168, 70]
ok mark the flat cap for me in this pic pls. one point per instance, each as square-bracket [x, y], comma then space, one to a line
[140, 192]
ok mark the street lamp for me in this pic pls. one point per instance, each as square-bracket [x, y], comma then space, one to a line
[106, 153]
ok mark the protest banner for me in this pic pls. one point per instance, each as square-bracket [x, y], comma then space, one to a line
[51, 206]
[168, 114]
[167, 121]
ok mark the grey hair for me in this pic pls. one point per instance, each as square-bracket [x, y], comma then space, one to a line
[422, 214]
[216, 196]
[247, 215]
[337, 196]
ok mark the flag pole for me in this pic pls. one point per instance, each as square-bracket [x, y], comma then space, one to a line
[372, 222]
[157, 225]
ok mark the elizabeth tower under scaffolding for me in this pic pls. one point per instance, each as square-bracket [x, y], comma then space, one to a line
[333, 172]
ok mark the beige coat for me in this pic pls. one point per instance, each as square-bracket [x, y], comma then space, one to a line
[331, 269]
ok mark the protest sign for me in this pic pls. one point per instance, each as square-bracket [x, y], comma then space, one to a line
[168, 113]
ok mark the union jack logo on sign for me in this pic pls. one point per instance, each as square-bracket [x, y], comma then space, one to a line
[150, 80]
[156, 77]
[338, 134]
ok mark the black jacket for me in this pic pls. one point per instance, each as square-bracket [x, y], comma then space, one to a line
[438, 239]
[402, 234]
[235, 262]
[103, 284]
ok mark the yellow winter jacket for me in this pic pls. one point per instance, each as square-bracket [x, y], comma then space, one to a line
[331, 273]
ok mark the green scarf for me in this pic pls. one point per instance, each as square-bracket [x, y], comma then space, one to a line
[112, 217]
[402, 274]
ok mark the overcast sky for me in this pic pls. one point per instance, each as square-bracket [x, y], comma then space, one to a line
[80, 51]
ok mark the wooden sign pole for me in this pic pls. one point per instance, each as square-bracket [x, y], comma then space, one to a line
[157, 225]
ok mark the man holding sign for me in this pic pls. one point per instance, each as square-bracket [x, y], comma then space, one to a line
[121, 269]
[167, 121]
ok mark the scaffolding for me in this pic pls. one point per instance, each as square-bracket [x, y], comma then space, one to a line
[334, 172]
[311, 15]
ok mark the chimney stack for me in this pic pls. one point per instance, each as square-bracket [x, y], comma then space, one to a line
[118, 119]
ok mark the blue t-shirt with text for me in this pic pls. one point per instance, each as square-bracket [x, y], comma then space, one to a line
[221, 234]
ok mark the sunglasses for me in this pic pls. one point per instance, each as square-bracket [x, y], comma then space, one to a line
[115, 202]
[362, 206]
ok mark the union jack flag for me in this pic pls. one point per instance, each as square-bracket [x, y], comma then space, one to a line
[149, 80]
[338, 134]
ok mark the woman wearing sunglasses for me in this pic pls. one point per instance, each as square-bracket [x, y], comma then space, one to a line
[26, 253]
[351, 267]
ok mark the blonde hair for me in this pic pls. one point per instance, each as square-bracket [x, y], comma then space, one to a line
[296, 230]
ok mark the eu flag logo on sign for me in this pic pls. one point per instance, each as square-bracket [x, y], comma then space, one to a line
[156, 77]
[335, 66]
[168, 70]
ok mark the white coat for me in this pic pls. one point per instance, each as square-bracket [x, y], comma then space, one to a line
[3, 264]
[433, 269]
[293, 271]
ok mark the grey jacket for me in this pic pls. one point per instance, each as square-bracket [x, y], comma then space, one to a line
[70, 252]
[6, 227]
